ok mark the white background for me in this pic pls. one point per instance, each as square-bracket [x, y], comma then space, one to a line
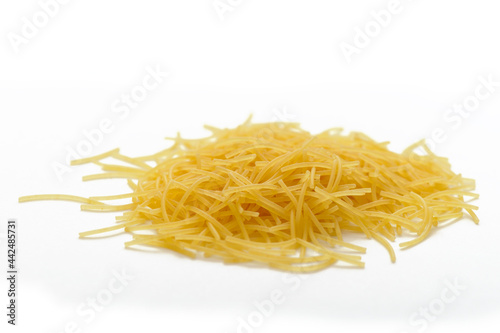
[274, 59]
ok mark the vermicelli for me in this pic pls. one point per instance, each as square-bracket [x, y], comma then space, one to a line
[273, 193]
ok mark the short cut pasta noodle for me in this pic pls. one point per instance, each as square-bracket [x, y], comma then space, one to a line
[275, 194]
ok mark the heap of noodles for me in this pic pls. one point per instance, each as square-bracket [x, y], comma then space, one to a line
[273, 193]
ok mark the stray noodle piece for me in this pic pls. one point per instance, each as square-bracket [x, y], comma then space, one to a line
[275, 194]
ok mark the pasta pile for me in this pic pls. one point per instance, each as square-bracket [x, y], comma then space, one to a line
[275, 194]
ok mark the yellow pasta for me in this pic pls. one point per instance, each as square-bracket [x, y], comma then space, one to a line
[274, 193]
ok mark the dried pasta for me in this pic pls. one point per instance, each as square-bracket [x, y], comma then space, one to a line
[275, 194]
